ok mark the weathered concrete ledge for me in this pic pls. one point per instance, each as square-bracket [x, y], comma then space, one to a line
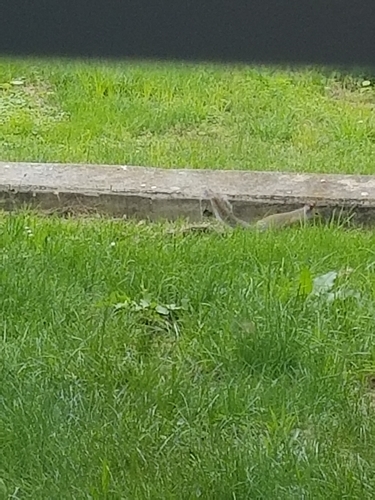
[170, 193]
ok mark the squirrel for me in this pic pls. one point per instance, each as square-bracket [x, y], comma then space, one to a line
[223, 212]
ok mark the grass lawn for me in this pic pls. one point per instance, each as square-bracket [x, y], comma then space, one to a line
[188, 116]
[140, 365]
[136, 364]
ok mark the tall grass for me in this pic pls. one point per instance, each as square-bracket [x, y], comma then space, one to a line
[137, 364]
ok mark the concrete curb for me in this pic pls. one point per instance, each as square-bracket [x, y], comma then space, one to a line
[154, 193]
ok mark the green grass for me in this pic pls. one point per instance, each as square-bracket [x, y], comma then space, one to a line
[140, 365]
[249, 390]
[188, 116]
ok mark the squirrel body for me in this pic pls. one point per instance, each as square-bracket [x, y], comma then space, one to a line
[223, 211]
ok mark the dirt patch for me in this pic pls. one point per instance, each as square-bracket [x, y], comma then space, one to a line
[360, 96]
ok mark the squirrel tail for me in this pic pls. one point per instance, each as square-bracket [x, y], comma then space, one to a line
[223, 211]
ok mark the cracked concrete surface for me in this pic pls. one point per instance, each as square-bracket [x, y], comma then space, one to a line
[153, 193]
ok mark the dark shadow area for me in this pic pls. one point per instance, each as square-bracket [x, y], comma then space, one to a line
[271, 32]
